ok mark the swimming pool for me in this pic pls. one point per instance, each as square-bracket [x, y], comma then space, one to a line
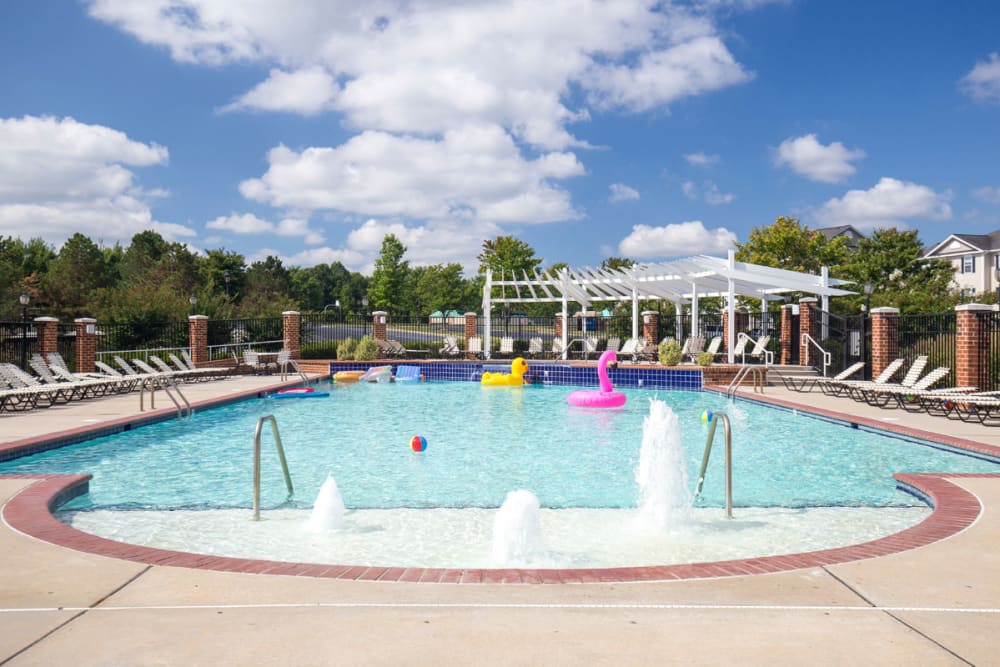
[482, 443]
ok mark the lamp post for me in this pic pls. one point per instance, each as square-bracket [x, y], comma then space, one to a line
[364, 305]
[225, 278]
[25, 300]
[864, 327]
[193, 300]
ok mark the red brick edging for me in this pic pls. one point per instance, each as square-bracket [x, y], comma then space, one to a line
[30, 512]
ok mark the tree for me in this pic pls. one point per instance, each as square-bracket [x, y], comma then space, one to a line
[442, 287]
[891, 260]
[617, 263]
[386, 291]
[508, 256]
[77, 272]
[786, 244]
[266, 291]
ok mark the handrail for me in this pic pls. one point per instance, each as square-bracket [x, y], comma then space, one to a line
[256, 461]
[827, 358]
[729, 459]
[154, 383]
[758, 380]
[768, 355]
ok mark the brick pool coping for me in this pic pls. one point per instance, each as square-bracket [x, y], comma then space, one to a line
[954, 509]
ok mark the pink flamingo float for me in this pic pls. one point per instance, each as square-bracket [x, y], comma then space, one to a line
[606, 397]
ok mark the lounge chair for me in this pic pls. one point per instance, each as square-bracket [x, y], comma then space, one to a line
[713, 348]
[475, 347]
[256, 364]
[80, 388]
[832, 387]
[760, 351]
[180, 373]
[450, 347]
[506, 347]
[536, 347]
[808, 382]
[25, 391]
[407, 374]
[647, 351]
[901, 394]
[128, 381]
[692, 347]
[860, 391]
[557, 348]
[589, 346]
[614, 342]
[630, 349]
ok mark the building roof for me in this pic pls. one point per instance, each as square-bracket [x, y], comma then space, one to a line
[960, 244]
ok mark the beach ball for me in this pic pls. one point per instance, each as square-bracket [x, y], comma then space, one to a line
[948, 405]
[909, 398]
[706, 416]
[418, 443]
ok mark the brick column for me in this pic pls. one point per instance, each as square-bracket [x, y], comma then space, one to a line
[725, 328]
[650, 326]
[885, 338]
[789, 333]
[471, 329]
[559, 326]
[291, 321]
[808, 323]
[198, 338]
[86, 344]
[47, 331]
[380, 321]
[972, 345]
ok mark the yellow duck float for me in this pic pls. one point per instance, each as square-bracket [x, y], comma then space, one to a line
[515, 378]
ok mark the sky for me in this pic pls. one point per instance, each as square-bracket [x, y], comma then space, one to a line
[310, 129]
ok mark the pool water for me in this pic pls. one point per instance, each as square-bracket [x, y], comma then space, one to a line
[482, 443]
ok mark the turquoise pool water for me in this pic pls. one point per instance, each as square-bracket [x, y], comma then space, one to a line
[482, 443]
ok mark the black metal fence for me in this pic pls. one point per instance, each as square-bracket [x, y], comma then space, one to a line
[229, 337]
[846, 338]
[930, 335]
[18, 341]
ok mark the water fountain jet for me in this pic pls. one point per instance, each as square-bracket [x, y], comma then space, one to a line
[328, 510]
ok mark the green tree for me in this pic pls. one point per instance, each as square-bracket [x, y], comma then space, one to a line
[21, 267]
[508, 256]
[442, 287]
[386, 291]
[77, 272]
[891, 260]
[267, 289]
[786, 244]
[223, 272]
[617, 263]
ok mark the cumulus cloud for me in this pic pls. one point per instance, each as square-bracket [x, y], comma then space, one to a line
[307, 91]
[987, 194]
[472, 172]
[827, 164]
[700, 159]
[707, 191]
[248, 223]
[982, 83]
[61, 176]
[622, 192]
[675, 240]
[404, 67]
[890, 203]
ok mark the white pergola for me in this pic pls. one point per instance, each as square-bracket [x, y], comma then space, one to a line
[682, 281]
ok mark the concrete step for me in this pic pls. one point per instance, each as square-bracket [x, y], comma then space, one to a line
[774, 373]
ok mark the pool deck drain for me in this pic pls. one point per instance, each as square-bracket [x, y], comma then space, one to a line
[932, 598]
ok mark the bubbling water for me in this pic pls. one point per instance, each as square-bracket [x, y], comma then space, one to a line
[664, 498]
[328, 510]
[517, 534]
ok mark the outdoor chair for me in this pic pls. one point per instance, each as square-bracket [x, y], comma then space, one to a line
[833, 387]
[180, 373]
[25, 391]
[647, 351]
[285, 361]
[450, 347]
[476, 347]
[557, 348]
[809, 382]
[535, 347]
[857, 390]
[692, 348]
[128, 381]
[79, 388]
[506, 347]
[614, 342]
[630, 349]
[902, 394]
[760, 351]
[714, 346]
[589, 346]
[254, 362]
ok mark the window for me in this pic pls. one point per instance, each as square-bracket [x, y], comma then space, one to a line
[968, 292]
[996, 261]
[969, 264]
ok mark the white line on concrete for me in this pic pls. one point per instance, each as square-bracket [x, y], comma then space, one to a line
[477, 605]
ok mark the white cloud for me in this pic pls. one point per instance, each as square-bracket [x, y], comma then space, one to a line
[675, 240]
[708, 191]
[827, 164]
[982, 83]
[700, 159]
[890, 203]
[412, 68]
[622, 192]
[307, 91]
[987, 194]
[248, 223]
[473, 171]
[60, 176]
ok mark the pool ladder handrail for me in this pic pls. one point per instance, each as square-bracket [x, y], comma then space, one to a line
[716, 417]
[169, 387]
[256, 461]
[758, 380]
[808, 340]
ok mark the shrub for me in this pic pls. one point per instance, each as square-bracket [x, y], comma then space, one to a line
[669, 352]
[345, 350]
[367, 349]
[705, 358]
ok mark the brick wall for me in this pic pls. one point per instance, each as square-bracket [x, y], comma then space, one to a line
[380, 324]
[808, 323]
[86, 344]
[885, 338]
[650, 326]
[471, 329]
[47, 329]
[788, 333]
[198, 338]
[972, 345]
[291, 321]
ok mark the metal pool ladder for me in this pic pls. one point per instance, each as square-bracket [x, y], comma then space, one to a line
[758, 380]
[168, 387]
[256, 461]
[716, 417]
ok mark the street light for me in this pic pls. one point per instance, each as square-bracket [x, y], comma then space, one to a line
[193, 300]
[364, 305]
[25, 300]
[225, 278]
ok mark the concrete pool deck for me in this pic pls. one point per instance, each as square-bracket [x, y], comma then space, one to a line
[935, 604]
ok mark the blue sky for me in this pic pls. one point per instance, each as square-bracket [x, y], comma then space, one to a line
[310, 129]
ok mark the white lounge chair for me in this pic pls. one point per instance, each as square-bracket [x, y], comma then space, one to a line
[506, 347]
[536, 347]
[475, 346]
[808, 382]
